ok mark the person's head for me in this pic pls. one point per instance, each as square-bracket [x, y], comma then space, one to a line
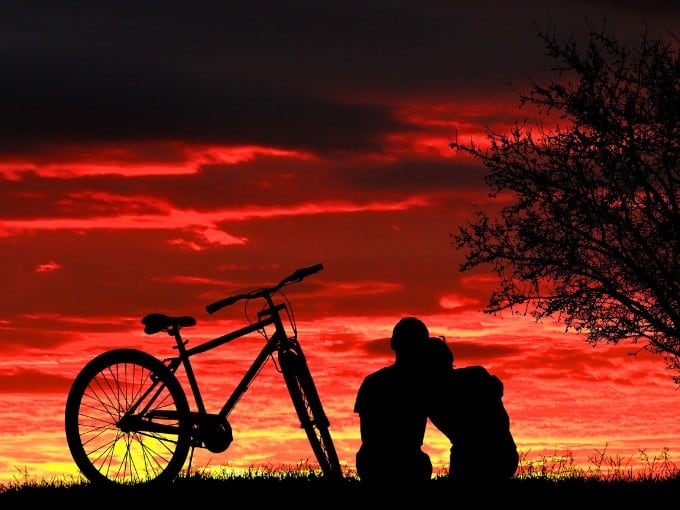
[408, 337]
[438, 355]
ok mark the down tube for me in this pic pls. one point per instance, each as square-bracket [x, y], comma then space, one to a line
[248, 377]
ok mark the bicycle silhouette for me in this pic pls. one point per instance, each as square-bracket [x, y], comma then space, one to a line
[128, 419]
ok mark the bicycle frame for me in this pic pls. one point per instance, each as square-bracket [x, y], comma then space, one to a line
[268, 316]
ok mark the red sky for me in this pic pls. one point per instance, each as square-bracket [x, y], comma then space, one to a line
[157, 159]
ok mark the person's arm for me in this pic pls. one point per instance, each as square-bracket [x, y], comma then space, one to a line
[490, 383]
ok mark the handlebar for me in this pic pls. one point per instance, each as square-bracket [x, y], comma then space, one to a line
[296, 276]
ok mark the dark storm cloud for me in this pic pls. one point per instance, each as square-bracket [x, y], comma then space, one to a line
[311, 75]
[225, 73]
[295, 74]
[288, 44]
[148, 108]
[416, 176]
[650, 7]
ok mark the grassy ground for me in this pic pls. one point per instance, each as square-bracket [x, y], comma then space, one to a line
[313, 491]
[548, 481]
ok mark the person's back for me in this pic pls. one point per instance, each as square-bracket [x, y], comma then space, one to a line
[393, 416]
[393, 421]
[466, 405]
[482, 444]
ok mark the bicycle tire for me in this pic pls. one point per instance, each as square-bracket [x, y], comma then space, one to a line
[305, 397]
[103, 391]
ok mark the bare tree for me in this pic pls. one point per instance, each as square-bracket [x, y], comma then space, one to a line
[589, 226]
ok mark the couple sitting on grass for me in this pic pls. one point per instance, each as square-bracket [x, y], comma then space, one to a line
[395, 402]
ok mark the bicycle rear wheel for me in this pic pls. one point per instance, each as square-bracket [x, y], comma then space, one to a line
[127, 420]
[310, 411]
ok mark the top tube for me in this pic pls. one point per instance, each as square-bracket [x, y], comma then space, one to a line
[296, 276]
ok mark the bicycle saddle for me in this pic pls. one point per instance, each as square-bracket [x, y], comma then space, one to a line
[155, 322]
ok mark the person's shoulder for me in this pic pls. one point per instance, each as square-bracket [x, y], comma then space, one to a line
[480, 378]
[374, 384]
[379, 375]
[381, 372]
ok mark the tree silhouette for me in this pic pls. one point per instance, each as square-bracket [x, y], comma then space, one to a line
[588, 230]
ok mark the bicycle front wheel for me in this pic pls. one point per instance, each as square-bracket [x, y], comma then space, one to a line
[310, 411]
[127, 420]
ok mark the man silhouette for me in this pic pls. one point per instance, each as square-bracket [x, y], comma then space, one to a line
[466, 405]
[392, 413]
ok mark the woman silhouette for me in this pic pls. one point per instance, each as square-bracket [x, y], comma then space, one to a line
[466, 405]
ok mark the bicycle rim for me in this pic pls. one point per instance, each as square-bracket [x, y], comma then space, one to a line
[102, 393]
[310, 411]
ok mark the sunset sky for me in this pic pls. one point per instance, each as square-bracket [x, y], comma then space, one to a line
[158, 156]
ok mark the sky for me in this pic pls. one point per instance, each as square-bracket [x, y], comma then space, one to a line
[158, 156]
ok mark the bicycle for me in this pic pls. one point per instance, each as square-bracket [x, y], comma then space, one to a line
[128, 418]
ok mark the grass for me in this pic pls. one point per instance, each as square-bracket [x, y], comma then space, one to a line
[548, 479]
[603, 467]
